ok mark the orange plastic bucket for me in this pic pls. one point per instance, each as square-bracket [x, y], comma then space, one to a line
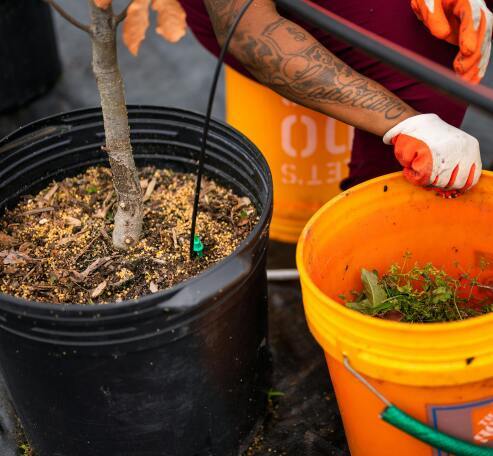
[306, 151]
[440, 373]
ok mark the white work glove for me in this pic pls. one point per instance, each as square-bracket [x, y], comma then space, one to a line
[465, 23]
[434, 153]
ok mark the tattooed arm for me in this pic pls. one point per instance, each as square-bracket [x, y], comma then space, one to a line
[286, 58]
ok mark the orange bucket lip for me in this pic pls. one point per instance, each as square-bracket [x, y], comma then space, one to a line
[425, 354]
[427, 327]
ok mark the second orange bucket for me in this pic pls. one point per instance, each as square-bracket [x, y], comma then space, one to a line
[307, 152]
[439, 373]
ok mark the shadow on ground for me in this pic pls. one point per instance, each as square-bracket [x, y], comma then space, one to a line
[304, 420]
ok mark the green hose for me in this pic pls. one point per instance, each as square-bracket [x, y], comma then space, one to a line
[426, 434]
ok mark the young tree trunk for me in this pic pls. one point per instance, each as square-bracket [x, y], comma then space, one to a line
[129, 214]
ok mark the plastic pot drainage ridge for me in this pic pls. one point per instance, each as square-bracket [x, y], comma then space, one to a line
[180, 372]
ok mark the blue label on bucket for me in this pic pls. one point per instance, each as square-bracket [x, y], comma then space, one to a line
[471, 421]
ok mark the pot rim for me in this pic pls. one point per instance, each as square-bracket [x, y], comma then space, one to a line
[85, 310]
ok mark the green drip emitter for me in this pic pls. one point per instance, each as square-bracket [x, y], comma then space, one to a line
[198, 247]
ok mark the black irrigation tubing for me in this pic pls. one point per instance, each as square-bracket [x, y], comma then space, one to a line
[403, 59]
[207, 121]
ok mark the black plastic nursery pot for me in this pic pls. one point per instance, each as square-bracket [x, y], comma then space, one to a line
[28, 52]
[180, 372]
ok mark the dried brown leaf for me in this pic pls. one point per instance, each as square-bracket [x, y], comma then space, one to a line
[6, 240]
[103, 4]
[26, 247]
[243, 222]
[171, 19]
[136, 24]
[14, 257]
[242, 202]
[99, 290]
[393, 315]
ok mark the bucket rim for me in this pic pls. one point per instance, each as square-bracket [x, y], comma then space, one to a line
[422, 328]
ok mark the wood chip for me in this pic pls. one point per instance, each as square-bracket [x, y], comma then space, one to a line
[6, 240]
[144, 183]
[150, 189]
[72, 221]
[44, 221]
[158, 261]
[175, 239]
[42, 287]
[50, 193]
[98, 291]
[93, 267]
[153, 287]
[39, 210]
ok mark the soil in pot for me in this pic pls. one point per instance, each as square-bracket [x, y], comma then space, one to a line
[417, 293]
[56, 246]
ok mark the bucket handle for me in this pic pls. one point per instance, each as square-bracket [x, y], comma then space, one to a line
[426, 434]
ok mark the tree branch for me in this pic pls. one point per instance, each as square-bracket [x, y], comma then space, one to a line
[120, 17]
[68, 17]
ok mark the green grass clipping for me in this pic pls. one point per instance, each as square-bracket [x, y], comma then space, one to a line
[419, 294]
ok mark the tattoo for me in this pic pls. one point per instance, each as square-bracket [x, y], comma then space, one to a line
[221, 13]
[297, 34]
[301, 69]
